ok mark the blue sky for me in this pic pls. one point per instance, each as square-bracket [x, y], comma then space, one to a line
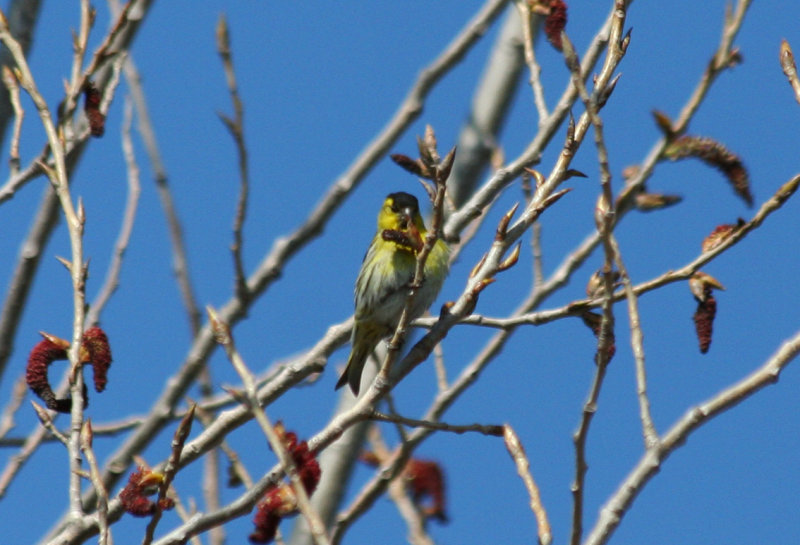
[318, 81]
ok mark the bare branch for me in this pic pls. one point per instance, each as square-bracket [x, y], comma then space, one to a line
[615, 508]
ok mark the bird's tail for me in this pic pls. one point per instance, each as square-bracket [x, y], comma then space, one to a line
[364, 342]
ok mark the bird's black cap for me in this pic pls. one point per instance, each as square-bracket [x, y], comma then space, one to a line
[402, 200]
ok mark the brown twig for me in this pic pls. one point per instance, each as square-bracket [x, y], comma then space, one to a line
[235, 127]
[237, 474]
[579, 438]
[431, 425]
[147, 133]
[170, 470]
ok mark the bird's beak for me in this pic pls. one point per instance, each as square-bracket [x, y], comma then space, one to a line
[408, 217]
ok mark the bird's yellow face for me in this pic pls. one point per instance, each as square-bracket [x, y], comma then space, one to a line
[398, 212]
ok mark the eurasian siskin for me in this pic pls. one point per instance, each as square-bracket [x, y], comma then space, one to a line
[385, 277]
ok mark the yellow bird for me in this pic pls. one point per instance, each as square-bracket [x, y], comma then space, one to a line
[385, 277]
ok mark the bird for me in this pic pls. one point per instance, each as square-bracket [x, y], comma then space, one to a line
[386, 275]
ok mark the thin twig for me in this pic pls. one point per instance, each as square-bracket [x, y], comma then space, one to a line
[170, 470]
[637, 344]
[517, 453]
[179, 255]
[39, 435]
[236, 467]
[579, 438]
[395, 417]
[538, 261]
[236, 127]
[46, 419]
[18, 392]
[97, 481]
[529, 28]
[604, 217]
[439, 367]
[15, 463]
[211, 473]
[10, 82]
[184, 513]
[439, 426]
[79, 44]
[104, 54]
[129, 217]
[23, 16]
